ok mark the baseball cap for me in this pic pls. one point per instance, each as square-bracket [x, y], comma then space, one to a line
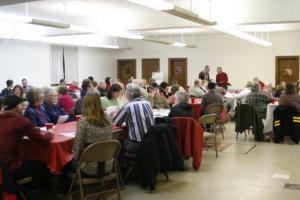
[12, 101]
[153, 85]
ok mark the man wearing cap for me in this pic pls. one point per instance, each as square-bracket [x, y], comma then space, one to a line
[210, 97]
[14, 127]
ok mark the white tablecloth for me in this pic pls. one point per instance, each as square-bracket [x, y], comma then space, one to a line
[160, 112]
[231, 100]
[268, 123]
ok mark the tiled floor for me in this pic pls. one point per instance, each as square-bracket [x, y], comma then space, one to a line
[237, 174]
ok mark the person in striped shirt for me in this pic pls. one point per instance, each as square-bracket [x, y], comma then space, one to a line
[137, 114]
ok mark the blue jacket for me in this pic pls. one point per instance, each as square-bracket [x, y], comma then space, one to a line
[34, 117]
[53, 112]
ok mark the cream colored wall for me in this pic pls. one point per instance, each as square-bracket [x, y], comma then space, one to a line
[241, 59]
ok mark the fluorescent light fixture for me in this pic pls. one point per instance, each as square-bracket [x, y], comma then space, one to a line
[154, 4]
[173, 10]
[242, 35]
[188, 15]
[52, 24]
[178, 44]
[29, 20]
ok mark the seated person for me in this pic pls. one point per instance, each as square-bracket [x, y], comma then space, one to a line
[8, 90]
[93, 126]
[247, 90]
[174, 89]
[164, 89]
[34, 112]
[195, 90]
[259, 99]
[156, 100]
[122, 100]
[102, 88]
[25, 86]
[13, 127]
[86, 84]
[74, 86]
[181, 107]
[18, 91]
[211, 97]
[112, 96]
[290, 97]
[279, 90]
[50, 105]
[138, 116]
[65, 100]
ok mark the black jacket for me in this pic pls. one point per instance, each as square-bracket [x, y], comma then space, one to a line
[202, 76]
[286, 122]
[246, 117]
[158, 152]
[181, 110]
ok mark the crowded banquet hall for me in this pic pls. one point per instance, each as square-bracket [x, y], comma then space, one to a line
[149, 99]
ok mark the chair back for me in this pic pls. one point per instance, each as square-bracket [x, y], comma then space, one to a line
[101, 151]
[215, 108]
[208, 119]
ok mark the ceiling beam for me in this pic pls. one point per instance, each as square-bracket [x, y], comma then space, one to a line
[166, 28]
[10, 2]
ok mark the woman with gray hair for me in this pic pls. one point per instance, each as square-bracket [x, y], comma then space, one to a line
[181, 107]
[50, 105]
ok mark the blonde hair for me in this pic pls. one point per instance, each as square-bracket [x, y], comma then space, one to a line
[92, 110]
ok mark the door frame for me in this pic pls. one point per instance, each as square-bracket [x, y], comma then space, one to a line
[169, 69]
[145, 59]
[118, 66]
[277, 58]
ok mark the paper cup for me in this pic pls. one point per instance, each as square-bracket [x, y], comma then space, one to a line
[49, 126]
[77, 117]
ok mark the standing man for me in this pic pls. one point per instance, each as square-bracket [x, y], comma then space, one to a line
[8, 90]
[25, 85]
[222, 78]
[204, 75]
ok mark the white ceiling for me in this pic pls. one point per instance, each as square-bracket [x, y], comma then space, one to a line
[247, 15]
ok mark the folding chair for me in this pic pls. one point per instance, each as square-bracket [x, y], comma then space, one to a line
[217, 109]
[210, 119]
[98, 152]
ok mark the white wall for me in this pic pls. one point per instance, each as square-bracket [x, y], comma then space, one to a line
[21, 59]
[241, 59]
[98, 63]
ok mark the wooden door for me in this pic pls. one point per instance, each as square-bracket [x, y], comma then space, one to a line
[148, 66]
[178, 71]
[287, 69]
[126, 69]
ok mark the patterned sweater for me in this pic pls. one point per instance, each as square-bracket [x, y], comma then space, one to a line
[87, 134]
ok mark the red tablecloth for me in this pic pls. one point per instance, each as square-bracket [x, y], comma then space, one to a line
[195, 104]
[58, 152]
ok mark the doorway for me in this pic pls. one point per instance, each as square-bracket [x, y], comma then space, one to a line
[287, 69]
[126, 69]
[178, 71]
[149, 65]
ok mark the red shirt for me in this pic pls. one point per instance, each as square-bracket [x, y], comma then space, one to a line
[66, 103]
[261, 85]
[222, 79]
[13, 128]
[73, 88]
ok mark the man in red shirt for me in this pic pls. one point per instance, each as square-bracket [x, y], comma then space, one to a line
[14, 127]
[222, 78]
